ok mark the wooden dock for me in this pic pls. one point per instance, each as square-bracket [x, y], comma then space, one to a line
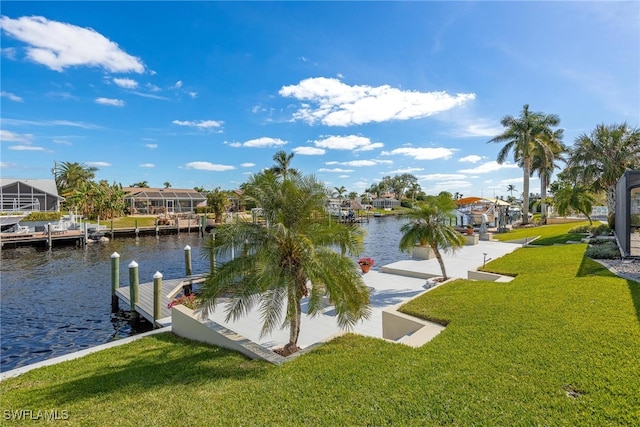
[42, 239]
[144, 306]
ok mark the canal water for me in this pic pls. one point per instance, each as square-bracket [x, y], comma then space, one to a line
[58, 301]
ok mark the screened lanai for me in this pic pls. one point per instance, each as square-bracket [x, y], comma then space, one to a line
[155, 201]
[29, 195]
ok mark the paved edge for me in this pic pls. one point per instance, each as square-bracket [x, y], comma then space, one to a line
[76, 355]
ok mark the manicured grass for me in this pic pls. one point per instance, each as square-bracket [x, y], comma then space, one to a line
[559, 345]
[130, 221]
[549, 234]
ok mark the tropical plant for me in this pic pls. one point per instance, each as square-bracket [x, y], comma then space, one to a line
[573, 196]
[282, 168]
[141, 184]
[599, 159]
[291, 257]
[218, 201]
[366, 261]
[544, 163]
[523, 135]
[167, 184]
[511, 188]
[70, 176]
[429, 224]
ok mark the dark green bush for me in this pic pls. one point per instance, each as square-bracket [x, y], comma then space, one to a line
[606, 250]
[600, 230]
[43, 216]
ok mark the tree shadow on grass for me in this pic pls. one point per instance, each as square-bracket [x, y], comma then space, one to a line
[589, 267]
[179, 363]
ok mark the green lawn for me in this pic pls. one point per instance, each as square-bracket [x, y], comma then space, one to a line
[130, 221]
[549, 234]
[559, 345]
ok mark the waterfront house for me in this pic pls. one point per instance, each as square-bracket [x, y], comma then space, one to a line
[155, 201]
[29, 195]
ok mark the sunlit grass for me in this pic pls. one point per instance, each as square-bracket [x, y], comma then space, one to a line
[548, 234]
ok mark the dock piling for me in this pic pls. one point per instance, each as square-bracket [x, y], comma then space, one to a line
[49, 241]
[133, 288]
[157, 294]
[115, 281]
[212, 256]
[187, 289]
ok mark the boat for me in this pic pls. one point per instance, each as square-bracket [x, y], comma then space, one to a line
[8, 222]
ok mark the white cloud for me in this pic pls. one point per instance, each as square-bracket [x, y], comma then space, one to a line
[338, 104]
[202, 124]
[472, 158]
[4, 165]
[62, 142]
[147, 165]
[344, 176]
[58, 45]
[193, 94]
[422, 153]
[25, 148]
[441, 176]
[403, 170]
[6, 135]
[11, 96]
[487, 167]
[207, 166]
[151, 146]
[126, 83]
[361, 163]
[349, 142]
[110, 101]
[153, 88]
[309, 151]
[99, 164]
[335, 170]
[9, 52]
[150, 95]
[178, 84]
[264, 142]
[247, 165]
[450, 186]
[82, 125]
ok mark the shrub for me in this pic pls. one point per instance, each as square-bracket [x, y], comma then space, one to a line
[600, 230]
[43, 216]
[581, 229]
[606, 250]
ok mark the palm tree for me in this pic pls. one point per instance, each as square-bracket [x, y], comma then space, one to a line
[599, 159]
[218, 201]
[290, 258]
[167, 184]
[544, 163]
[281, 167]
[522, 135]
[141, 184]
[70, 175]
[339, 192]
[573, 196]
[429, 225]
[511, 188]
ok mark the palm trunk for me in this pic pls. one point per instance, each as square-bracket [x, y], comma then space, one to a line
[440, 261]
[611, 198]
[544, 180]
[525, 192]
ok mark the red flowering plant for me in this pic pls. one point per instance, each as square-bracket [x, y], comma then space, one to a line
[188, 301]
[366, 261]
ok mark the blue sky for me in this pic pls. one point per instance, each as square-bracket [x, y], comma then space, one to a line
[204, 93]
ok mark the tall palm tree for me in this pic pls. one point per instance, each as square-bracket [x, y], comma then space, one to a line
[544, 163]
[511, 188]
[282, 167]
[70, 175]
[522, 135]
[599, 159]
[290, 258]
[167, 184]
[430, 224]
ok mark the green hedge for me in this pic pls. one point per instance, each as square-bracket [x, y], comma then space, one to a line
[43, 216]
